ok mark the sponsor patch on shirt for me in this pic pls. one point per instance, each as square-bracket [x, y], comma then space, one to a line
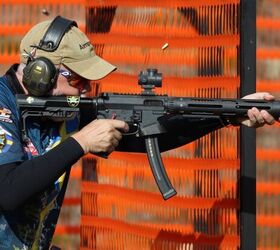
[30, 148]
[6, 140]
[5, 115]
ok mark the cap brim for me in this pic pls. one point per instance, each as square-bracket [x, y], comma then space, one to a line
[93, 68]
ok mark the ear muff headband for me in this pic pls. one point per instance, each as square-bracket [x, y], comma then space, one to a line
[52, 38]
[40, 74]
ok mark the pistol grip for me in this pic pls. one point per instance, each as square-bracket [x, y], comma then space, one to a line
[158, 169]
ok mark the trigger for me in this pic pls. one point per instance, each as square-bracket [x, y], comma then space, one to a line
[133, 130]
[114, 116]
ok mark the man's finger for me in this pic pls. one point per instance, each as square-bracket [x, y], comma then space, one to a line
[260, 95]
[121, 125]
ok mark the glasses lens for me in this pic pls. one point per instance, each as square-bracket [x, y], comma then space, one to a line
[65, 73]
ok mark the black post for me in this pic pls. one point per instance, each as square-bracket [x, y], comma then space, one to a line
[247, 135]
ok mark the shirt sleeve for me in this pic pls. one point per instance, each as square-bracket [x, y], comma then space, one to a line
[20, 181]
[20, 177]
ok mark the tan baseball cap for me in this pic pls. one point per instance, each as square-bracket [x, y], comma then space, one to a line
[75, 52]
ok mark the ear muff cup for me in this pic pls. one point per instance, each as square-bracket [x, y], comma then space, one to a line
[39, 76]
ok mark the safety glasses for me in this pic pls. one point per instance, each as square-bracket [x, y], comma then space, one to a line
[67, 74]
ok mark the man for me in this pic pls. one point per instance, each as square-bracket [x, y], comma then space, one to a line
[32, 188]
[34, 171]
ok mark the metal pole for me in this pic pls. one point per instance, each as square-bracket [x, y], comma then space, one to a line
[247, 135]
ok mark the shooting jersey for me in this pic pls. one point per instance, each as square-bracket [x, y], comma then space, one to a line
[31, 225]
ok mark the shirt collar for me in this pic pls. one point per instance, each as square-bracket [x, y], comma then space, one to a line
[13, 81]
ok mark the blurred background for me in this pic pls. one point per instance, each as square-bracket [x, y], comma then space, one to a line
[114, 203]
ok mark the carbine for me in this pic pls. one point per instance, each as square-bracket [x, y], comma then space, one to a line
[156, 122]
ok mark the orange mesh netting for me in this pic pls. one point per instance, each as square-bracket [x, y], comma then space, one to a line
[121, 205]
[195, 45]
[268, 171]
